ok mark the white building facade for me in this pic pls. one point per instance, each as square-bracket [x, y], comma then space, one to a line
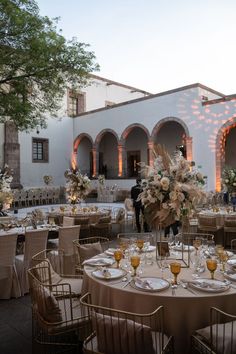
[108, 128]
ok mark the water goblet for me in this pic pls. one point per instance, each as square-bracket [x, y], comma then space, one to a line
[118, 254]
[62, 208]
[175, 268]
[135, 261]
[211, 266]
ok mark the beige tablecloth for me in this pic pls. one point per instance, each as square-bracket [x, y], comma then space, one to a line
[184, 313]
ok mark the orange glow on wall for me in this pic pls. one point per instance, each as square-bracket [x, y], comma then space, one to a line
[120, 160]
[94, 152]
[73, 161]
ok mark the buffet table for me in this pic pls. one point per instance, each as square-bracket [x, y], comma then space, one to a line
[184, 311]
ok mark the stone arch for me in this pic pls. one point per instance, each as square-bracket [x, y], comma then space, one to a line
[169, 119]
[220, 148]
[102, 133]
[78, 139]
[130, 128]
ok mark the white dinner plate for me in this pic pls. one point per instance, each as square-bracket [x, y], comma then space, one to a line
[99, 262]
[150, 284]
[209, 285]
[232, 262]
[230, 274]
[109, 273]
[185, 248]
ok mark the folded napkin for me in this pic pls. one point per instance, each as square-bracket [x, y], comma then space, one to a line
[144, 283]
[96, 261]
[204, 284]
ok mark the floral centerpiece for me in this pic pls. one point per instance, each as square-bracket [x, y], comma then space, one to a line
[229, 179]
[37, 216]
[47, 179]
[171, 189]
[77, 185]
[101, 180]
[6, 195]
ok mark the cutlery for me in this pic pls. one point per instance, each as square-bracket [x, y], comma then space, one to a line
[173, 287]
[185, 286]
[127, 283]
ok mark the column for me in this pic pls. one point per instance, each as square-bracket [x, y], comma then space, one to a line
[95, 162]
[189, 148]
[150, 153]
[12, 152]
[120, 148]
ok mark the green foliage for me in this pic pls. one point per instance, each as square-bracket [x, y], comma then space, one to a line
[37, 64]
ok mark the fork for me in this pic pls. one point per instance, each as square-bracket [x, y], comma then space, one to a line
[185, 286]
[173, 287]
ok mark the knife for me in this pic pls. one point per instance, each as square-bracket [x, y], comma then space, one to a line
[129, 281]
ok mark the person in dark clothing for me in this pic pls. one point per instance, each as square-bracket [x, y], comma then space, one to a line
[173, 227]
[137, 204]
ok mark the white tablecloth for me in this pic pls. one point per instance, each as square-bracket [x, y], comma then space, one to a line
[184, 312]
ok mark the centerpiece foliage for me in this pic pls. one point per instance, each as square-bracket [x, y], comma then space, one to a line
[6, 195]
[172, 188]
[77, 185]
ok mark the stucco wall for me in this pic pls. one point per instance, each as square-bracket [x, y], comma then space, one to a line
[60, 136]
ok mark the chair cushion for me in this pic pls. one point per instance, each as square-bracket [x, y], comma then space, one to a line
[222, 336]
[44, 270]
[121, 336]
[48, 306]
[89, 250]
[206, 221]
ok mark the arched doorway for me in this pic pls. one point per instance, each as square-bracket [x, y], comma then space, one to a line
[225, 149]
[135, 141]
[83, 151]
[106, 143]
[173, 134]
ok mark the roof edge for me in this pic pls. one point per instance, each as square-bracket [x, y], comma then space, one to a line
[169, 92]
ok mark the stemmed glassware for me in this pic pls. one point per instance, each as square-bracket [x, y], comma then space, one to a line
[211, 266]
[223, 256]
[135, 261]
[140, 244]
[118, 255]
[175, 268]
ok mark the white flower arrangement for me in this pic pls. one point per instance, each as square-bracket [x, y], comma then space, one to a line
[47, 179]
[171, 188]
[229, 179]
[77, 185]
[6, 195]
[101, 180]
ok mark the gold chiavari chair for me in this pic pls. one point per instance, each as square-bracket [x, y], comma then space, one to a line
[219, 337]
[45, 272]
[88, 248]
[59, 322]
[121, 332]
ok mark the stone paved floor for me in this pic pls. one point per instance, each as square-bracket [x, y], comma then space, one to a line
[15, 319]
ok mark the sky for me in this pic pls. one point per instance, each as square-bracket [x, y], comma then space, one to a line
[155, 45]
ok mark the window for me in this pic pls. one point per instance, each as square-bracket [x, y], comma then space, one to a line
[76, 103]
[40, 150]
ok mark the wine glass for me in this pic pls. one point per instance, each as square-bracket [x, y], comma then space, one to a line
[211, 266]
[62, 208]
[118, 254]
[140, 244]
[135, 261]
[223, 256]
[175, 268]
[197, 243]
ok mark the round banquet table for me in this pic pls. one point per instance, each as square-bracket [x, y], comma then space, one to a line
[184, 312]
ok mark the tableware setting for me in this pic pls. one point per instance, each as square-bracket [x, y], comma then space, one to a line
[108, 273]
[150, 284]
[99, 262]
[210, 285]
[110, 251]
[185, 248]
